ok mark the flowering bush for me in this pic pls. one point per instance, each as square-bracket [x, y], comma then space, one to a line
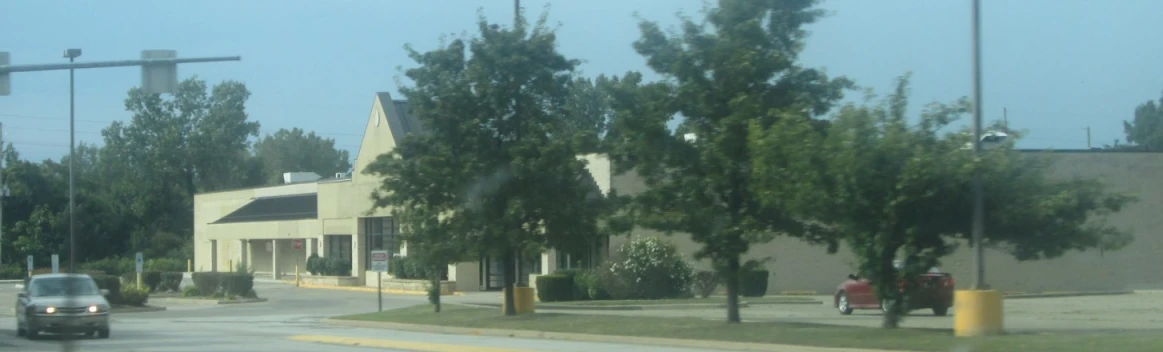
[652, 269]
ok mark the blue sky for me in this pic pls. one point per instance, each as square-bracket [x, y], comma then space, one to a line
[1058, 66]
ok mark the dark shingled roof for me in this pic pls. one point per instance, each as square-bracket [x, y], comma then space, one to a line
[400, 118]
[279, 208]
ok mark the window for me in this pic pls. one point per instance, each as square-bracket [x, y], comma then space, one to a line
[381, 235]
[338, 246]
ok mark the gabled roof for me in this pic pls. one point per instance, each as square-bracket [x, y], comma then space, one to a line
[400, 118]
[276, 208]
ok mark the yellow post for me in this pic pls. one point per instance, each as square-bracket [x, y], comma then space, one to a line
[138, 280]
[296, 275]
[977, 312]
[189, 265]
[522, 300]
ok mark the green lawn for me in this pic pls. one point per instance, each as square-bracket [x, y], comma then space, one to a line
[798, 334]
[708, 300]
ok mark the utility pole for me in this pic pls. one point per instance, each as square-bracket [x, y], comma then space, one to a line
[1005, 119]
[72, 55]
[516, 11]
[3, 191]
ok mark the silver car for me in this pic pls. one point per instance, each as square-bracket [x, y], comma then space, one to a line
[61, 303]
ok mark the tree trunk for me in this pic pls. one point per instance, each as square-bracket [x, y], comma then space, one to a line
[733, 290]
[435, 289]
[510, 277]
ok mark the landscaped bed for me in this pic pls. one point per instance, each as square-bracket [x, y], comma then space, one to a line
[772, 333]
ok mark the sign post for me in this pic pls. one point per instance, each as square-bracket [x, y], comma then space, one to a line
[56, 264]
[139, 262]
[380, 265]
[30, 266]
[297, 244]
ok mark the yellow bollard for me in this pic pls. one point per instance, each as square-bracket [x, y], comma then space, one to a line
[189, 265]
[522, 300]
[138, 280]
[977, 312]
[296, 275]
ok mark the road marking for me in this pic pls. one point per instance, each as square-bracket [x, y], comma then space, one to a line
[401, 345]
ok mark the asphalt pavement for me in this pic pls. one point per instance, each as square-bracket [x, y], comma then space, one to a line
[288, 322]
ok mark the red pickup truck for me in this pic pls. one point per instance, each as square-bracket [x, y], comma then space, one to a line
[936, 293]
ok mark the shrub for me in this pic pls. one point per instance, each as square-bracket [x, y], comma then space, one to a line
[652, 269]
[134, 296]
[171, 281]
[111, 283]
[588, 285]
[337, 267]
[407, 269]
[705, 283]
[151, 280]
[12, 272]
[112, 265]
[315, 264]
[165, 264]
[207, 282]
[753, 282]
[235, 284]
[555, 288]
[191, 291]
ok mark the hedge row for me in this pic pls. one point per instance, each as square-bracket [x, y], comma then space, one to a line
[224, 284]
[328, 266]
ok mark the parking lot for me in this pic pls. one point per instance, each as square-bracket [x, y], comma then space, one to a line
[1131, 312]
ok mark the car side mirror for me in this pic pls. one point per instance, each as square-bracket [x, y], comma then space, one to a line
[852, 277]
[104, 292]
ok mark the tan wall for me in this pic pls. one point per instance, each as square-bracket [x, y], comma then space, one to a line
[377, 139]
[799, 266]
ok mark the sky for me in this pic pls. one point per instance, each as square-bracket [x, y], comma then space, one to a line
[1055, 67]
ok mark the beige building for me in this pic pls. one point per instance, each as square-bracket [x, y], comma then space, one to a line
[273, 229]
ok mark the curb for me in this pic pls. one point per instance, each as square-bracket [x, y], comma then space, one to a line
[650, 341]
[1067, 294]
[145, 309]
[627, 307]
[204, 302]
[373, 290]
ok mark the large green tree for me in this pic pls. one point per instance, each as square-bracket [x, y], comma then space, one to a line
[735, 72]
[496, 112]
[196, 140]
[295, 150]
[900, 190]
[1146, 130]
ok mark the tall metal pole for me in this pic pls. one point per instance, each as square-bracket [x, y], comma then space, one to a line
[72, 160]
[978, 187]
[516, 11]
[3, 192]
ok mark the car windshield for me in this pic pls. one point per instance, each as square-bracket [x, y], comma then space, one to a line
[55, 287]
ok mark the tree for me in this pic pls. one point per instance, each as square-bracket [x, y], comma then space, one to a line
[294, 150]
[495, 111]
[901, 190]
[1146, 130]
[173, 148]
[734, 73]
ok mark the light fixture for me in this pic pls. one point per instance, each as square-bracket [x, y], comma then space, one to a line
[92, 309]
[50, 310]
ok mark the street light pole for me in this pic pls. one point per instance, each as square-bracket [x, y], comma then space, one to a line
[978, 187]
[72, 54]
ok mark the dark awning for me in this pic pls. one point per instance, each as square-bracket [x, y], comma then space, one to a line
[280, 208]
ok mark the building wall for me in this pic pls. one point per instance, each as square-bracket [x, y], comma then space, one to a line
[209, 207]
[799, 266]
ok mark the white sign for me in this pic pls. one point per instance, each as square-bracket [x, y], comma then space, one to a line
[56, 264]
[30, 263]
[139, 261]
[380, 261]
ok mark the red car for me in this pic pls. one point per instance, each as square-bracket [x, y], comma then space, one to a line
[936, 294]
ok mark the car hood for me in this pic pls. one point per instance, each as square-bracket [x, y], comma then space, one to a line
[75, 301]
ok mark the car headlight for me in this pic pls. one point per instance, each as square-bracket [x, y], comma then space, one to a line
[50, 309]
[93, 309]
